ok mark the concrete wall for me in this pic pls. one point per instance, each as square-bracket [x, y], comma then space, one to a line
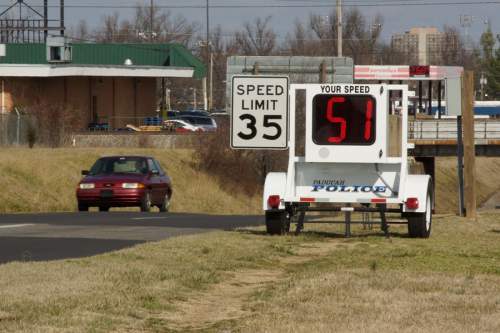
[137, 140]
[118, 101]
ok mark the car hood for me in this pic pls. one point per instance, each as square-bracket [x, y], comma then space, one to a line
[114, 178]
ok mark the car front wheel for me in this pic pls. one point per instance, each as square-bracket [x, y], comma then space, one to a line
[146, 202]
[165, 205]
[83, 207]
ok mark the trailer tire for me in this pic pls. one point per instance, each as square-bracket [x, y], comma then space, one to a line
[419, 224]
[276, 222]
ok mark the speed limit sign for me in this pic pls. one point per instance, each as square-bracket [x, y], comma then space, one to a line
[259, 118]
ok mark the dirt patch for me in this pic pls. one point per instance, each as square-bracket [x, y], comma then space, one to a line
[224, 301]
[312, 251]
[4, 316]
[228, 300]
[492, 203]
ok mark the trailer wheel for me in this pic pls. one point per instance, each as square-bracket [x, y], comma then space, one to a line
[419, 224]
[276, 222]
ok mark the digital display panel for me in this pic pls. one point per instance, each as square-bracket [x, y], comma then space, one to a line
[420, 71]
[344, 119]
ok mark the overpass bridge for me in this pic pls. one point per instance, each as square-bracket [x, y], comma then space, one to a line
[435, 138]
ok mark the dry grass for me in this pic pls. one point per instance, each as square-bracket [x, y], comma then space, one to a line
[449, 283]
[44, 180]
[130, 290]
[249, 282]
[487, 181]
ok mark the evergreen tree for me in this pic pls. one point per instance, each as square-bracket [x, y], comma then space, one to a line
[493, 75]
[487, 43]
[490, 64]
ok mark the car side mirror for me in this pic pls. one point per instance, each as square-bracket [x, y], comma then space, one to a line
[85, 172]
[154, 173]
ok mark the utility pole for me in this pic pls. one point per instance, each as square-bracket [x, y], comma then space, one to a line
[61, 14]
[151, 18]
[194, 99]
[45, 19]
[466, 23]
[209, 61]
[339, 28]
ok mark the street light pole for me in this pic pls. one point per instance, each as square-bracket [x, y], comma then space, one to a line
[339, 28]
[209, 59]
[151, 18]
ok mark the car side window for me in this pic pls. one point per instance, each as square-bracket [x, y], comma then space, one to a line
[152, 166]
[158, 166]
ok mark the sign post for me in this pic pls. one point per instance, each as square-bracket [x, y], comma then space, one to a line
[259, 118]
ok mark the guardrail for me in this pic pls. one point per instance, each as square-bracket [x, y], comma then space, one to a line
[447, 129]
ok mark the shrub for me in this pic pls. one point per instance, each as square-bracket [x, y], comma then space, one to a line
[242, 170]
[31, 135]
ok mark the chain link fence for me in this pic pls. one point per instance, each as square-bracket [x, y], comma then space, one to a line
[17, 129]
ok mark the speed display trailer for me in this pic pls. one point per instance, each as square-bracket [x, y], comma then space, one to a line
[355, 159]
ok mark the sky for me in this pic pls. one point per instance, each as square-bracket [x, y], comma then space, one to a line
[399, 15]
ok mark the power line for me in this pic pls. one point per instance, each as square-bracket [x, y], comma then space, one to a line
[348, 4]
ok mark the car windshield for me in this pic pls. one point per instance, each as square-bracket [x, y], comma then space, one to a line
[110, 165]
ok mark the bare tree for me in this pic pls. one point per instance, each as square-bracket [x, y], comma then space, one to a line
[361, 40]
[81, 31]
[114, 30]
[360, 37]
[299, 42]
[257, 38]
[324, 29]
[219, 53]
[166, 28]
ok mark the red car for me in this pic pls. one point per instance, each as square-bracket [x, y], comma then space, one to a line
[124, 181]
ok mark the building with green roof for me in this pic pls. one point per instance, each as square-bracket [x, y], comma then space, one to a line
[113, 83]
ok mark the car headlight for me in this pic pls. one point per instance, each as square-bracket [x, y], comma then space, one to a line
[87, 186]
[132, 185]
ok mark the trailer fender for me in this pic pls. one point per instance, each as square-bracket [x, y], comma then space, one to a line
[275, 185]
[417, 186]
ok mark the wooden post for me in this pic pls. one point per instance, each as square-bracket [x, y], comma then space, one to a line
[256, 68]
[469, 148]
[460, 166]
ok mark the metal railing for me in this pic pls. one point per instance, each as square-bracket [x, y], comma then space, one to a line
[486, 129]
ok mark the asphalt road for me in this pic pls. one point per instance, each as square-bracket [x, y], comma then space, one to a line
[37, 237]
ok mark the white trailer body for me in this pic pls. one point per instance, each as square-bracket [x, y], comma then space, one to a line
[355, 158]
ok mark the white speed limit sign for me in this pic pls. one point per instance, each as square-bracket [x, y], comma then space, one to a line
[259, 117]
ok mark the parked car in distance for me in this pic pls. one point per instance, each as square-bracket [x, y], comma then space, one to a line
[180, 126]
[192, 112]
[207, 123]
[172, 114]
[125, 181]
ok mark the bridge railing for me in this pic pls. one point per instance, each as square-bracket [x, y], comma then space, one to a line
[447, 129]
